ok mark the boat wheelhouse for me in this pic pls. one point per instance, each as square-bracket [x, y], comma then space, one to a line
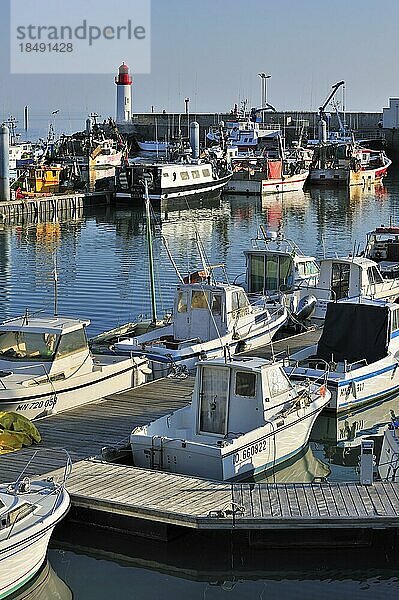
[358, 348]
[208, 321]
[350, 277]
[382, 246]
[46, 367]
[246, 416]
[388, 466]
[276, 265]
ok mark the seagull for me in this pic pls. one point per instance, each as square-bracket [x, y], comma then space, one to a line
[55, 111]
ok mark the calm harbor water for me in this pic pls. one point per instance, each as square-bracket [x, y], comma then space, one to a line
[103, 275]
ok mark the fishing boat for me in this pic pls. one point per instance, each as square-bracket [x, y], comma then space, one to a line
[29, 511]
[246, 416]
[153, 146]
[275, 265]
[46, 367]
[348, 164]
[349, 277]
[243, 133]
[388, 466]
[208, 321]
[382, 246]
[171, 180]
[359, 347]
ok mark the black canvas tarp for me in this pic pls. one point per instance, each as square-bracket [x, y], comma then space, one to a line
[354, 332]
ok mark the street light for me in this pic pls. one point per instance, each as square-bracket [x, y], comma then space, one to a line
[263, 83]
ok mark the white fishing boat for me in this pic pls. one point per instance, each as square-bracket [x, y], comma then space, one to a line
[208, 320]
[349, 277]
[359, 347]
[153, 146]
[275, 265]
[46, 367]
[246, 416]
[382, 246]
[29, 511]
[243, 133]
[388, 466]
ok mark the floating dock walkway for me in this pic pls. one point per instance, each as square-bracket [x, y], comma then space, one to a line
[157, 504]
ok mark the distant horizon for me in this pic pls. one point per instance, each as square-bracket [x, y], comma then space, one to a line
[212, 53]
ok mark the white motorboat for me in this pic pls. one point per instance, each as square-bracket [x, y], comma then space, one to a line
[208, 320]
[46, 367]
[359, 347]
[29, 511]
[276, 265]
[388, 466]
[246, 416]
[153, 146]
[382, 246]
[349, 277]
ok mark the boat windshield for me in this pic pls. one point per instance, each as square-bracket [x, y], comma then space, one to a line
[22, 345]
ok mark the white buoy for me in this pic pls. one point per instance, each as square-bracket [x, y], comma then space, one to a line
[195, 139]
[4, 163]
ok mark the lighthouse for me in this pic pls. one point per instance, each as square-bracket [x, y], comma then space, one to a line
[123, 95]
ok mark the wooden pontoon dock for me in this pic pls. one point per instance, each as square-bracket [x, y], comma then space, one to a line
[153, 503]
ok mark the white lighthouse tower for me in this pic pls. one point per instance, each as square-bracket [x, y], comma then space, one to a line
[123, 95]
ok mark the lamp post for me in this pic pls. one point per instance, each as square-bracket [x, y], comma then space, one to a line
[187, 102]
[263, 84]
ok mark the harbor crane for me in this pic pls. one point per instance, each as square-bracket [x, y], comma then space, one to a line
[330, 96]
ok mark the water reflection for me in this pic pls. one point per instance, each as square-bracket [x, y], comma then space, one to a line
[46, 585]
[209, 566]
[304, 468]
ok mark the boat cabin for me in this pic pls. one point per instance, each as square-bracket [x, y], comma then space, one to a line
[382, 246]
[272, 271]
[205, 312]
[38, 345]
[42, 179]
[233, 396]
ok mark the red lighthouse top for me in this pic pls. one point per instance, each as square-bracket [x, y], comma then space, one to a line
[124, 78]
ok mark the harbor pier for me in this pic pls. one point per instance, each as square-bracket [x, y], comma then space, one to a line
[162, 505]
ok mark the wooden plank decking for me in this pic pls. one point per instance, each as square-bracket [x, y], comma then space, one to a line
[170, 499]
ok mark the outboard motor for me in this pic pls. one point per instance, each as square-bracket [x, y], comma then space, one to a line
[305, 308]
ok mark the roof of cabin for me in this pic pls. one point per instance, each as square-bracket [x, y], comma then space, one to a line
[360, 261]
[56, 325]
[246, 363]
[205, 287]
[296, 257]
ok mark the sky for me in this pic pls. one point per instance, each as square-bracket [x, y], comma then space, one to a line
[212, 50]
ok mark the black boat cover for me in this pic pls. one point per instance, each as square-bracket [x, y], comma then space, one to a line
[354, 332]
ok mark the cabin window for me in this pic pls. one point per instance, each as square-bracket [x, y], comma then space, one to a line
[184, 175]
[307, 268]
[340, 280]
[245, 384]
[216, 304]
[195, 174]
[271, 275]
[182, 302]
[206, 172]
[72, 342]
[199, 299]
[166, 174]
[257, 273]
[373, 274]
[54, 173]
[22, 345]
[278, 382]
[239, 303]
[394, 320]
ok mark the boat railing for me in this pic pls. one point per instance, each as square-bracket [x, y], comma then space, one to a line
[23, 482]
[4, 374]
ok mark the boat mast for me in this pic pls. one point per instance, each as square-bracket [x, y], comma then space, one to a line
[150, 254]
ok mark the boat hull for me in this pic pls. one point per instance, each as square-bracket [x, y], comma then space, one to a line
[260, 450]
[266, 186]
[46, 399]
[22, 554]
[388, 467]
[216, 348]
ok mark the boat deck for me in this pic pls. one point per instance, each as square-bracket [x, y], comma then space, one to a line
[126, 497]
